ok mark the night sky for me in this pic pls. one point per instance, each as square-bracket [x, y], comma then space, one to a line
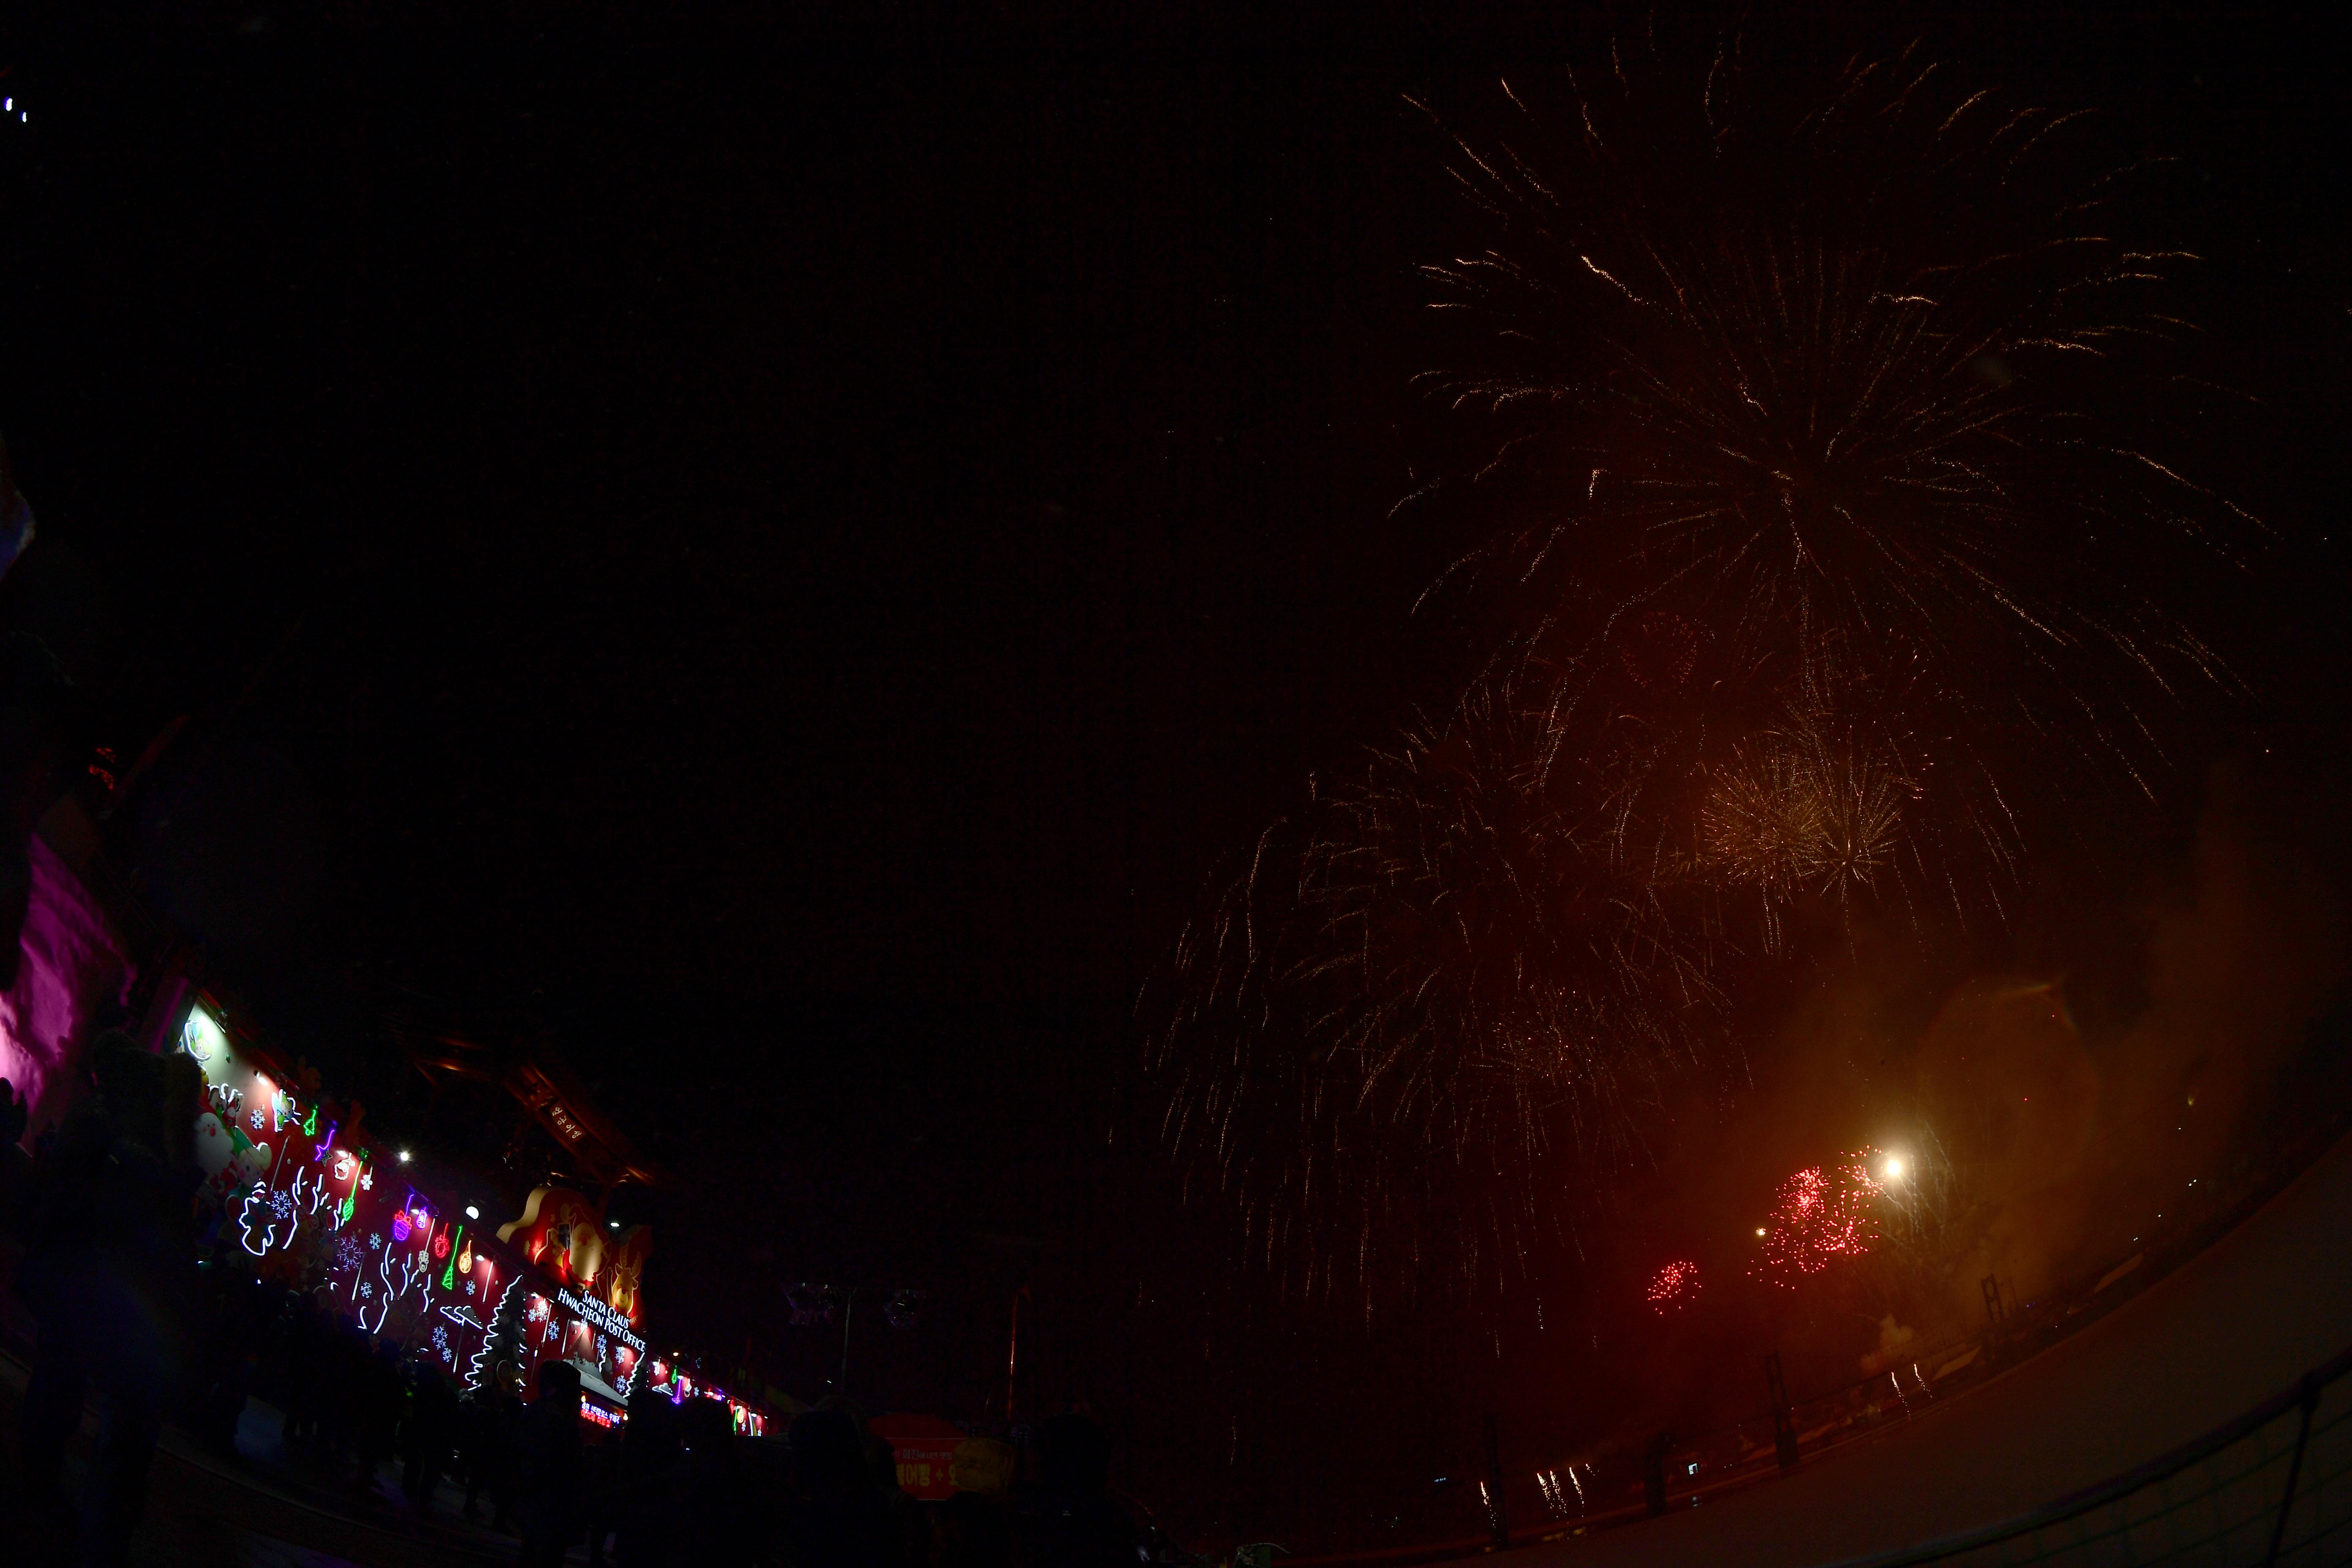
[779, 555]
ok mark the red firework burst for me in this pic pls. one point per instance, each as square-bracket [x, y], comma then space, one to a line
[1674, 1288]
[1822, 1214]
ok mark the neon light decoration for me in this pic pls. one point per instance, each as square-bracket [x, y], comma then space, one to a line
[310, 1215]
[202, 1037]
[411, 1275]
[502, 1327]
[561, 1232]
[598, 1313]
[246, 1220]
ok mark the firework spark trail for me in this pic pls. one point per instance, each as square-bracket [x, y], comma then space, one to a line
[1805, 807]
[1772, 409]
[1674, 1288]
[1421, 1016]
[1821, 1215]
[1826, 526]
[1923, 1217]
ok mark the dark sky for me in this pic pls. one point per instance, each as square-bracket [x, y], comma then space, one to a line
[781, 553]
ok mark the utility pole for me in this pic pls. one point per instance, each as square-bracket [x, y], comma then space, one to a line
[1498, 1523]
[1012, 1354]
[848, 1310]
[1784, 1420]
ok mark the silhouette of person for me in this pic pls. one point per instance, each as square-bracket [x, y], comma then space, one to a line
[547, 1501]
[1067, 1517]
[111, 1244]
[837, 1516]
[642, 1473]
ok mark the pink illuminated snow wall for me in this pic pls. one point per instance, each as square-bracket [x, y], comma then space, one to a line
[73, 967]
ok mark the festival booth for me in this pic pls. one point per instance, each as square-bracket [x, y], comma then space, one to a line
[925, 1450]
